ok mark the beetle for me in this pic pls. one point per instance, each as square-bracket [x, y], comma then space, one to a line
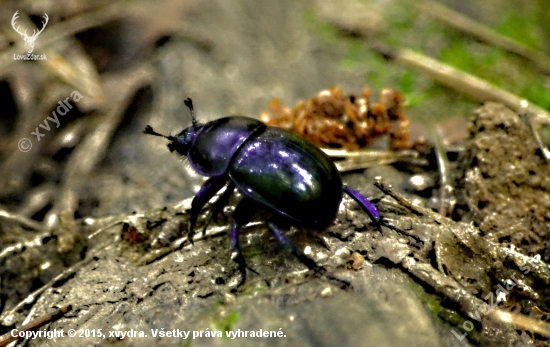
[274, 170]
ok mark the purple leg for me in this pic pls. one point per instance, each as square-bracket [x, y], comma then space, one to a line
[207, 191]
[367, 206]
[243, 214]
[302, 257]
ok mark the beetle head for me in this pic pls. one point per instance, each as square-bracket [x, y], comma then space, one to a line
[182, 142]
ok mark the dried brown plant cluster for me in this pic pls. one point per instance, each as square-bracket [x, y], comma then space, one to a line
[334, 120]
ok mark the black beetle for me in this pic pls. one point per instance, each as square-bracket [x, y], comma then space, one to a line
[272, 168]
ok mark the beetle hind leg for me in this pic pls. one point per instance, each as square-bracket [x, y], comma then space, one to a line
[365, 204]
[302, 257]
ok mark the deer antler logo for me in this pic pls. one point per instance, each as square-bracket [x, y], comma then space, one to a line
[29, 40]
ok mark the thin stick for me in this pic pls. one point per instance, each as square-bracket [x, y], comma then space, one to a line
[20, 220]
[446, 196]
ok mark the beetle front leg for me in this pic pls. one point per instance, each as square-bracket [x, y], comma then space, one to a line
[302, 257]
[243, 214]
[207, 191]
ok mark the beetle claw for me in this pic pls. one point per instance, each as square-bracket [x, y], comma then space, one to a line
[242, 267]
[191, 235]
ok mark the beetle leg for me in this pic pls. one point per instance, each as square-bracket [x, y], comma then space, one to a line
[219, 204]
[243, 214]
[207, 191]
[302, 257]
[365, 204]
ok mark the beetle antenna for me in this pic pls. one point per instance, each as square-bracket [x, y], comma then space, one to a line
[189, 103]
[149, 130]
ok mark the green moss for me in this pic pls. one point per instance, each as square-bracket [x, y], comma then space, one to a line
[226, 322]
[359, 56]
[457, 55]
[250, 252]
[542, 20]
[434, 305]
[326, 31]
[258, 289]
[355, 55]
[475, 59]
[521, 27]
[493, 57]
[409, 88]
[538, 93]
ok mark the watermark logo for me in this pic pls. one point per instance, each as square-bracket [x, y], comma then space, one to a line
[24, 144]
[501, 293]
[29, 40]
[64, 107]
